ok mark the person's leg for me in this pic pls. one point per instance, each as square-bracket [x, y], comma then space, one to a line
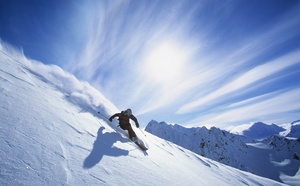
[131, 132]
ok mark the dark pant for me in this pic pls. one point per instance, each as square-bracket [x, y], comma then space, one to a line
[129, 129]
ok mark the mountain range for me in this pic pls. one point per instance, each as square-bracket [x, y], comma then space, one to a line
[260, 150]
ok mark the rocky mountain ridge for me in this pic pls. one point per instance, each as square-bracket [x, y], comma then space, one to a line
[277, 154]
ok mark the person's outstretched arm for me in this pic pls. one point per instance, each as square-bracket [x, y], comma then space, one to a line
[113, 116]
[135, 120]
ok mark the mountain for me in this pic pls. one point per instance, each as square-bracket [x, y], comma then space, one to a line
[294, 129]
[51, 134]
[261, 130]
[276, 157]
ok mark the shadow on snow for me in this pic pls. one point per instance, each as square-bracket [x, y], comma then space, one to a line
[103, 145]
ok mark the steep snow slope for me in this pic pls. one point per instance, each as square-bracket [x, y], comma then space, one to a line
[274, 158]
[51, 135]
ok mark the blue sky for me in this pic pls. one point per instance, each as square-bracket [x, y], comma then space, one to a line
[196, 62]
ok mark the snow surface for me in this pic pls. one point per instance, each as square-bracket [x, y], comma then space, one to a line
[51, 134]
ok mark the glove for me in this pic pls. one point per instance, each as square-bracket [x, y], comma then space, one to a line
[110, 119]
[137, 125]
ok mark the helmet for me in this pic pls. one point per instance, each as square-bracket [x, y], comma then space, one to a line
[128, 112]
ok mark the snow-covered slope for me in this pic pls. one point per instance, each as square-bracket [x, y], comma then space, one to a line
[274, 158]
[51, 134]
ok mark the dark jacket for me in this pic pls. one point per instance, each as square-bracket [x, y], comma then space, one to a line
[124, 119]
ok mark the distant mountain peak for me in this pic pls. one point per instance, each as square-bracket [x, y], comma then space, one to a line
[260, 130]
[297, 122]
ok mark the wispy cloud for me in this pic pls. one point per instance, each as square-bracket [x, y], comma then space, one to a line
[251, 76]
[120, 43]
[129, 44]
[270, 109]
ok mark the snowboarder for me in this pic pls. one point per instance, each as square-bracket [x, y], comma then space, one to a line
[124, 122]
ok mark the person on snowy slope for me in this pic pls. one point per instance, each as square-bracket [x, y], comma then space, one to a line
[124, 117]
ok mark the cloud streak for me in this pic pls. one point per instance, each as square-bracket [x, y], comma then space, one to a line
[129, 43]
[270, 109]
[257, 73]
